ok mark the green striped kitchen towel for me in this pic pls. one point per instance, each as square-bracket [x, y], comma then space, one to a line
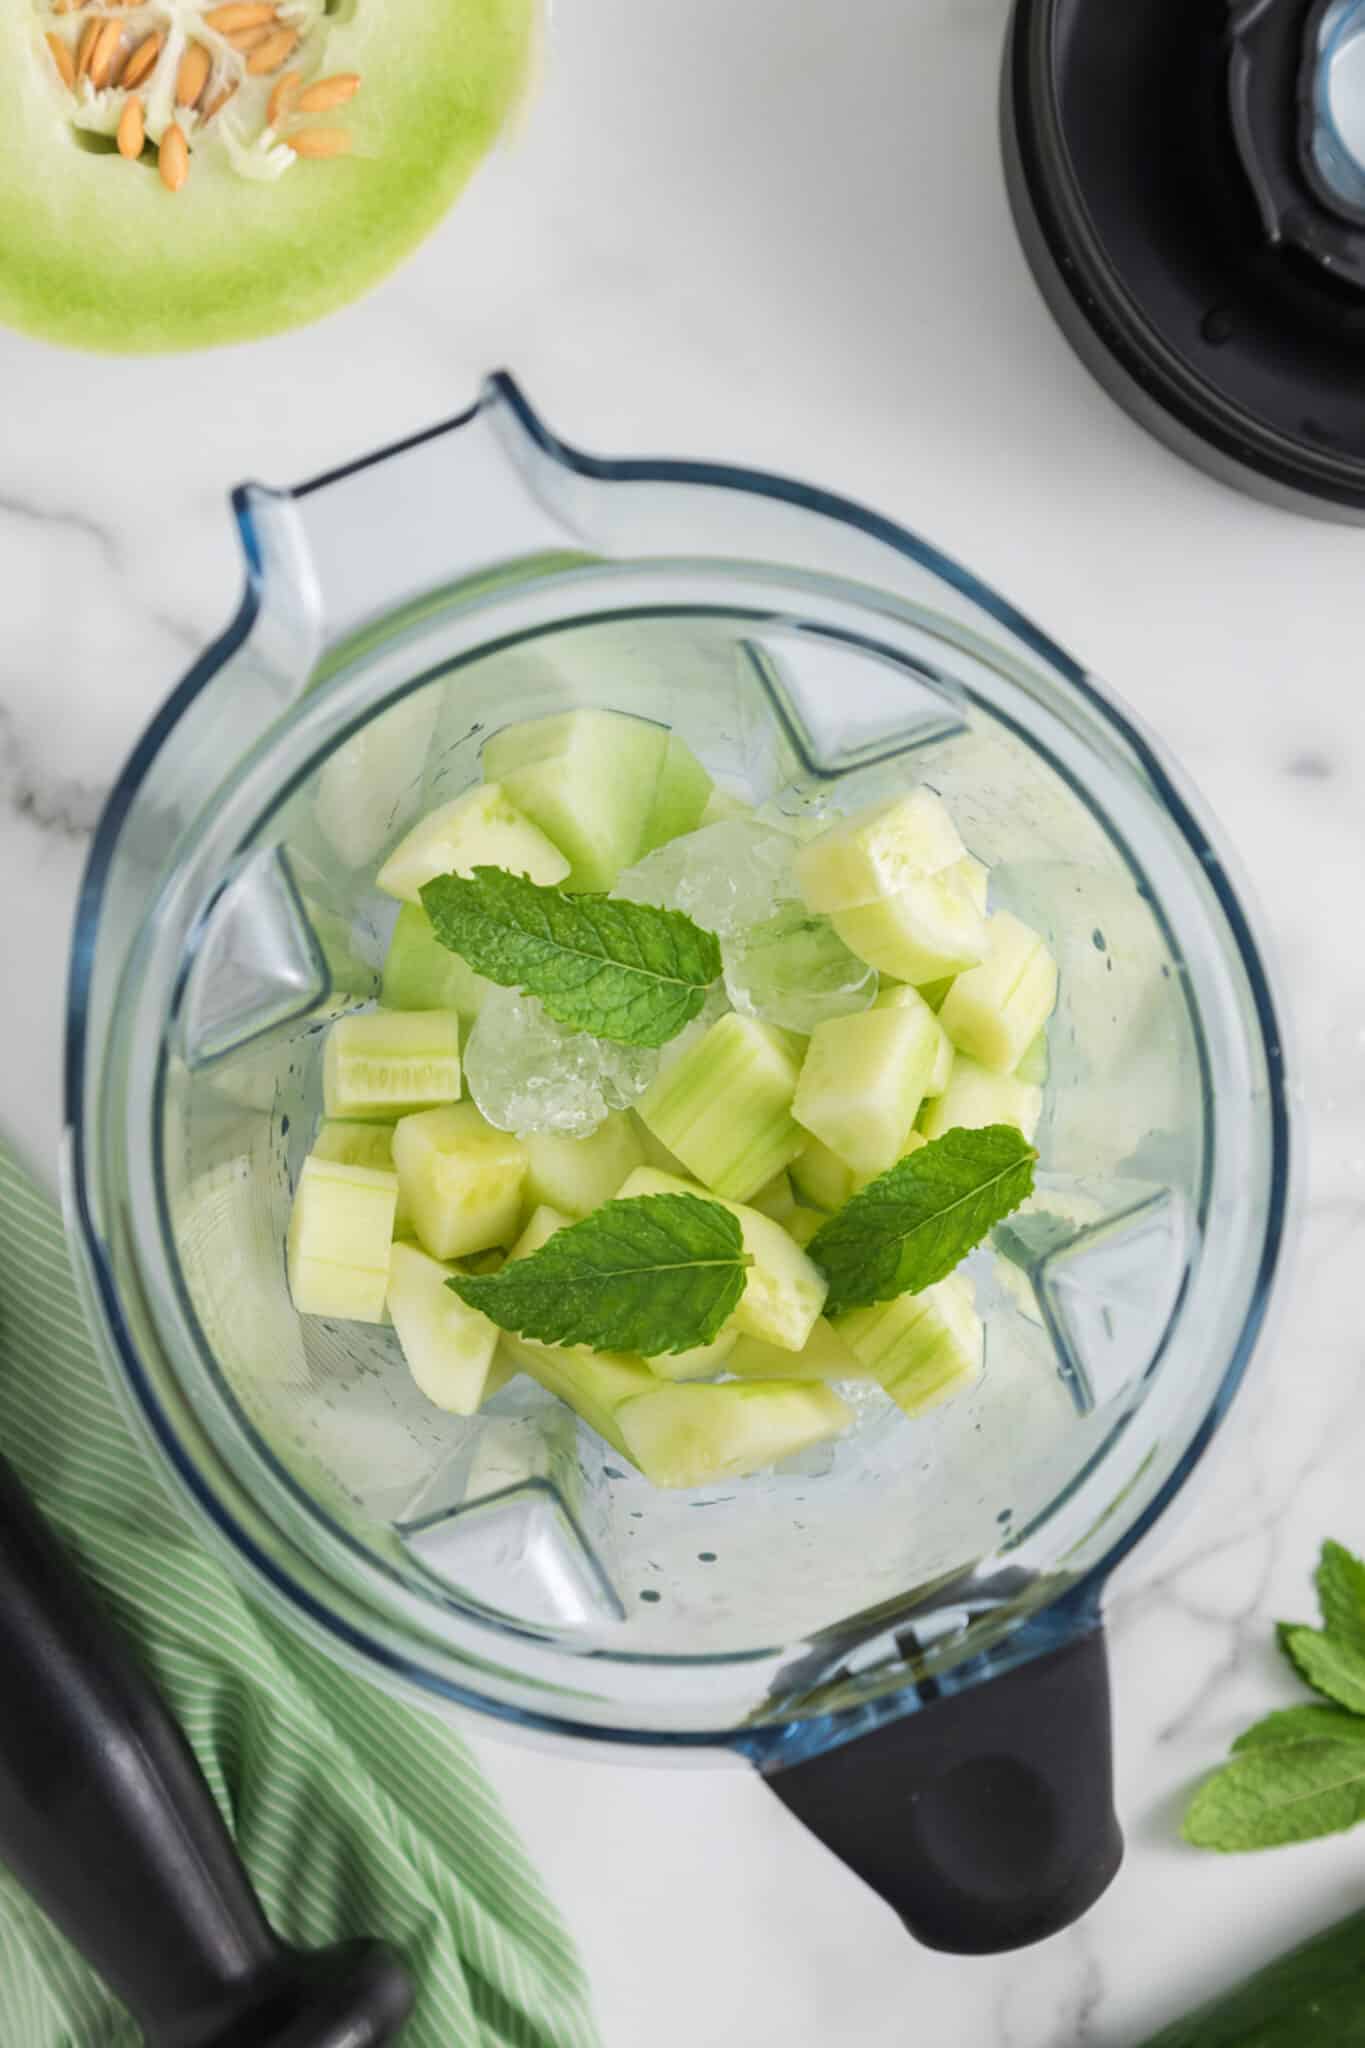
[355, 1815]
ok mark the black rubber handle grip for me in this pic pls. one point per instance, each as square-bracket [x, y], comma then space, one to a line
[107, 1821]
[986, 1819]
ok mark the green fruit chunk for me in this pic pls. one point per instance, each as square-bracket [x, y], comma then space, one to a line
[724, 1106]
[776, 1199]
[924, 1349]
[784, 1291]
[449, 1347]
[879, 852]
[587, 779]
[975, 1097]
[863, 1081]
[722, 806]
[388, 1063]
[821, 1177]
[802, 1225]
[96, 249]
[481, 829]
[340, 1231]
[655, 1153]
[1035, 1065]
[689, 1436]
[898, 997]
[931, 929]
[462, 1180]
[361, 1145]
[824, 1356]
[681, 795]
[701, 1364]
[994, 1012]
[422, 974]
[576, 1175]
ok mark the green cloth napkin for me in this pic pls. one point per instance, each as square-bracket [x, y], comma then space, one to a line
[355, 1815]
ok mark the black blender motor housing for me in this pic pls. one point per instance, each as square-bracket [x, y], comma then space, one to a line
[1193, 208]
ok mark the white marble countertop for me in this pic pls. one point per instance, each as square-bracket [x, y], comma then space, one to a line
[761, 233]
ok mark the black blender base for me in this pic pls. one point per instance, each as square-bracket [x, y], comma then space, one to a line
[352, 1996]
[1156, 155]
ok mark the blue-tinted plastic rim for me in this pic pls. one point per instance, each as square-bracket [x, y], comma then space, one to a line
[1077, 1609]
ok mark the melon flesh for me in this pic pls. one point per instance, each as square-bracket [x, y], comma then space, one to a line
[96, 252]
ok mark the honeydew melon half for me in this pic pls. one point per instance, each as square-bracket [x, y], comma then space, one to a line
[268, 228]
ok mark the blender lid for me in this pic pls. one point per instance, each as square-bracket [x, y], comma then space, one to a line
[1188, 181]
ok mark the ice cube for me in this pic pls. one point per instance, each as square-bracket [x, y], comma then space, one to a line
[795, 970]
[529, 1075]
[725, 876]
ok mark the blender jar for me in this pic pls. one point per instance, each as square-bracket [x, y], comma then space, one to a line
[901, 1631]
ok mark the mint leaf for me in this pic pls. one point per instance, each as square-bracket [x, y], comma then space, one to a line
[1274, 1792]
[624, 971]
[1330, 1666]
[914, 1225]
[1301, 1724]
[1340, 1581]
[653, 1274]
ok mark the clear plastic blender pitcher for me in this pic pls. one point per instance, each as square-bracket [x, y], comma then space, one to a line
[901, 1631]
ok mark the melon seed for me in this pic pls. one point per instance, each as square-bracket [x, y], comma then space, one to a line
[281, 98]
[327, 93]
[90, 35]
[239, 14]
[272, 52]
[131, 132]
[320, 142]
[142, 60]
[193, 75]
[174, 163]
[62, 58]
[104, 52]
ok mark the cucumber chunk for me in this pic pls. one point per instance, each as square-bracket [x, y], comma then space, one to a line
[1036, 1063]
[655, 1153]
[576, 1175]
[784, 1291]
[448, 1346]
[689, 1436]
[681, 795]
[481, 829]
[422, 974]
[724, 1106]
[461, 1179]
[361, 1145]
[588, 780]
[822, 1178]
[879, 852]
[994, 1011]
[900, 997]
[340, 1230]
[929, 930]
[975, 1097]
[923, 1348]
[824, 1356]
[863, 1081]
[383, 1064]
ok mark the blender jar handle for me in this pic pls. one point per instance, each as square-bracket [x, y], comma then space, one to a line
[106, 1820]
[986, 1819]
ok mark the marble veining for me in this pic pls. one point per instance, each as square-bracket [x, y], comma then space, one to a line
[763, 234]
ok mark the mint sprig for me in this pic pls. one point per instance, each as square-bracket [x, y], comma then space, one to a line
[1299, 1773]
[915, 1224]
[624, 971]
[652, 1274]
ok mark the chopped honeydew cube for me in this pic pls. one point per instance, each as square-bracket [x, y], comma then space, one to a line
[824, 1356]
[822, 1178]
[899, 996]
[422, 974]
[863, 1081]
[724, 1106]
[576, 1175]
[681, 796]
[340, 1231]
[385, 1064]
[481, 829]
[975, 1098]
[923, 1348]
[449, 1347]
[929, 930]
[693, 1436]
[994, 1011]
[878, 852]
[461, 1179]
[588, 779]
